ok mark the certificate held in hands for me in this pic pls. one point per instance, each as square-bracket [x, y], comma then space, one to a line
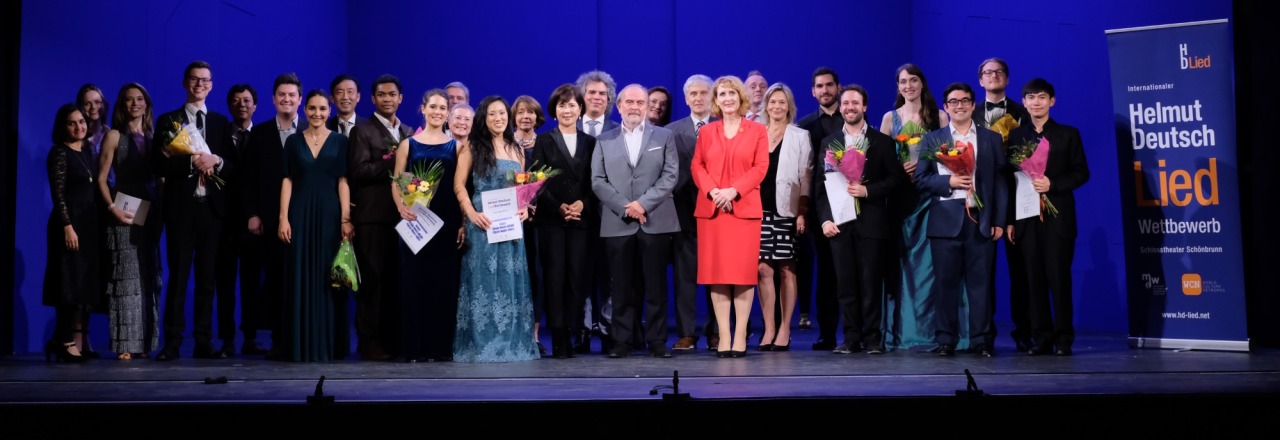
[501, 206]
[135, 208]
[418, 232]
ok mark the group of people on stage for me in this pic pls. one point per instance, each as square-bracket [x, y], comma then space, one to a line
[734, 197]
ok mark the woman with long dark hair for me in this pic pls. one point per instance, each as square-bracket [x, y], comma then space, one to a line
[133, 257]
[71, 283]
[495, 307]
[910, 268]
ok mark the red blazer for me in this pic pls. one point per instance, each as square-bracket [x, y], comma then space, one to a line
[741, 162]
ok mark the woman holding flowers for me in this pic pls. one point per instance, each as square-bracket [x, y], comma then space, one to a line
[784, 194]
[730, 160]
[527, 116]
[429, 278]
[495, 308]
[133, 255]
[314, 218]
[909, 310]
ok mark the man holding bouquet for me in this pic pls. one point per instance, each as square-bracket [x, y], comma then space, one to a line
[194, 205]
[1048, 241]
[857, 245]
[966, 218]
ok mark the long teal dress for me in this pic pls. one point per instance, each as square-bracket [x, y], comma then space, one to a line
[909, 315]
[316, 220]
[495, 306]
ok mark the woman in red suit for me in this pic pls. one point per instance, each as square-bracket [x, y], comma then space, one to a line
[729, 162]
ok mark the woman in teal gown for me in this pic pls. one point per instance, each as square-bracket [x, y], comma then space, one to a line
[314, 219]
[495, 305]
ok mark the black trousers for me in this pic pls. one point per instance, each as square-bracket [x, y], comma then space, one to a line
[565, 272]
[1047, 255]
[192, 241]
[240, 259]
[1019, 307]
[859, 286]
[684, 267]
[825, 299]
[652, 252]
[378, 255]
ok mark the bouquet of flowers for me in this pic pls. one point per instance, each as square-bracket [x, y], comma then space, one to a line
[849, 161]
[960, 159]
[345, 271]
[1003, 126]
[1032, 157]
[529, 182]
[187, 140]
[907, 140]
[419, 184]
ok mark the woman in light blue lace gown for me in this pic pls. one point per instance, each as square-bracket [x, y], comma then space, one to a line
[495, 306]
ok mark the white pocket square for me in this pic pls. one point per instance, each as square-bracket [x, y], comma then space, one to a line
[655, 148]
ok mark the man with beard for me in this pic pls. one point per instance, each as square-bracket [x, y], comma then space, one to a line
[821, 123]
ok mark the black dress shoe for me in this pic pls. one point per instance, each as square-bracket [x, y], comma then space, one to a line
[1039, 350]
[207, 353]
[619, 351]
[843, 349]
[659, 351]
[584, 342]
[228, 349]
[946, 350]
[823, 345]
[1024, 345]
[875, 349]
[1063, 352]
[168, 354]
[984, 350]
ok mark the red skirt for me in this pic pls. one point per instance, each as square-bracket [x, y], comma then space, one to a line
[728, 250]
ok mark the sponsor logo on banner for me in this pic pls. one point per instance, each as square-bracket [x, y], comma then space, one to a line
[1192, 284]
[1152, 283]
[1187, 61]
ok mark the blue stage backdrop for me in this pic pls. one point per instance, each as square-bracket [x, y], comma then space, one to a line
[514, 48]
[1175, 123]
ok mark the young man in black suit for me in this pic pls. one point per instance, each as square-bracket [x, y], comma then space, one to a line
[194, 207]
[857, 246]
[264, 168]
[1048, 246]
[821, 123]
[369, 164]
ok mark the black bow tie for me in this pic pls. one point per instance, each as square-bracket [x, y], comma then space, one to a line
[991, 105]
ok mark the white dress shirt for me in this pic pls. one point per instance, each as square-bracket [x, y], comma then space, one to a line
[633, 138]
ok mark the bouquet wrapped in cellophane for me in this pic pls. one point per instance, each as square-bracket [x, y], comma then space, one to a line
[529, 182]
[187, 140]
[345, 271]
[419, 185]
[1032, 157]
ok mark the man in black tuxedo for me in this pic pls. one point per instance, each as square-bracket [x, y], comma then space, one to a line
[369, 165]
[962, 233]
[1048, 246]
[817, 249]
[993, 76]
[239, 255]
[684, 262]
[194, 207]
[344, 91]
[264, 171]
[858, 245]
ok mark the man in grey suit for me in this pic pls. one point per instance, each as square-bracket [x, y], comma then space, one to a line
[684, 265]
[633, 171]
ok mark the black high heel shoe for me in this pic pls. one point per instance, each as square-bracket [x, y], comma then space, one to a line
[62, 353]
[787, 347]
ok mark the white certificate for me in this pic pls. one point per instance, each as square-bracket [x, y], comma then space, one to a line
[501, 208]
[843, 207]
[1026, 198]
[417, 233]
[132, 205]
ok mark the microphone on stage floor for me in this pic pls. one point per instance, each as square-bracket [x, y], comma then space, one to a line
[319, 397]
[971, 387]
[675, 393]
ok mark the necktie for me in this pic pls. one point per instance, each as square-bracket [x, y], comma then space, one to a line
[993, 105]
[697, 128]
[200, 121]
[592, 129]
[344, 128]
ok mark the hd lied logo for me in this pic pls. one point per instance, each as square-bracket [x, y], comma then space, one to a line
[1191, 284]
[1187, 61]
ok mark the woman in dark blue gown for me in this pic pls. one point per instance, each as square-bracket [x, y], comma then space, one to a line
[314, 219]
[429, 278]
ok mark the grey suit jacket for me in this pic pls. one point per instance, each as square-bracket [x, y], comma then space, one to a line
[651, 181]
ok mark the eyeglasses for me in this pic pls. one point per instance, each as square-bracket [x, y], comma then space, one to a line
[201, 81]
[959, 102]
[993, 73]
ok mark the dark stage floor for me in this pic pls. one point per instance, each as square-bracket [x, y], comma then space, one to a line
[1103, 372]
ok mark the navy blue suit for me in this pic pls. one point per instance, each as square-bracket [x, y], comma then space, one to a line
[964, 251]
